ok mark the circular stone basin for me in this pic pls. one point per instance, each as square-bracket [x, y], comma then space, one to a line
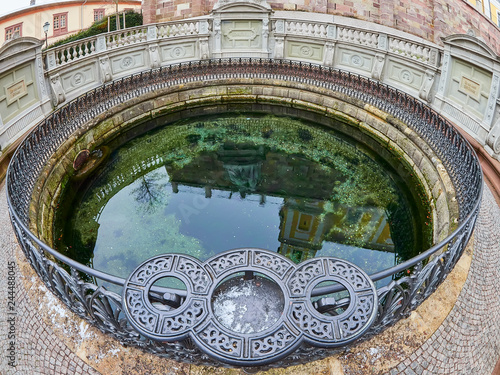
[248, 305]
[205, 185]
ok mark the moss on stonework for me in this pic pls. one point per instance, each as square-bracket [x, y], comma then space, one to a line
[177, 146]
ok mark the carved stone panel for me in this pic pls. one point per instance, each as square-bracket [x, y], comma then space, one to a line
[306, 51]
[469, 87]
[18, 91]
[355, 60]
[241, 34]
[404, 75]
[179, 51]
[126, 62]
[78, 79]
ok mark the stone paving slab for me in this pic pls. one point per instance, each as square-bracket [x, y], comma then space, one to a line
[36, 348]
[468, 341]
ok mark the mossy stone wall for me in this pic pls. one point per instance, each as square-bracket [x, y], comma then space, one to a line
[253, 95]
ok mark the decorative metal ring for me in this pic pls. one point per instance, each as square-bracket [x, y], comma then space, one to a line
[255, 331]
[249, 307]
[347, 319]
[160, 321]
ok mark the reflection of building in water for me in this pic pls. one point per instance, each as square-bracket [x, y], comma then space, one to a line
[307, 218]
[301, 228]
[243, 165]
[305, 225]
[365, 227]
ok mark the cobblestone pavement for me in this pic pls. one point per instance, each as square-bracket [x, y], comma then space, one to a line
[468, 341]
[36, 348]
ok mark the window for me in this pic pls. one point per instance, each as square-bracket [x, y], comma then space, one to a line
[498, 19]
[13, 31]
[98, 14]
[60, 23]
[305, 222]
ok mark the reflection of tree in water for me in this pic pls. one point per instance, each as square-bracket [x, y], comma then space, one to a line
[150, 192]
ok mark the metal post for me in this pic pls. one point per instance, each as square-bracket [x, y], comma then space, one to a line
[46, 26]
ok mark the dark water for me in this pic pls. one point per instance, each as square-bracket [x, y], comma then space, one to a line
[207, 185]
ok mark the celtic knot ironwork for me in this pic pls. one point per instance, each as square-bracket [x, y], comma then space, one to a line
[271, 345]
[302, 277]
[196, 275]
[294, 319]
[219, 342]
[153, 266]
[277, 265]
[160, 321]
[222, 264]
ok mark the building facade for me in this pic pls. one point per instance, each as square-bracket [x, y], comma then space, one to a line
[65, 18]
[428, 19]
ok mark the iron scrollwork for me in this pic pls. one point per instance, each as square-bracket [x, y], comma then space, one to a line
[296, 319]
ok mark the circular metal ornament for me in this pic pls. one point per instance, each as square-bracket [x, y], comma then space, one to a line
[241, 339]
[332, 330]
[154, 321]
[249, 307]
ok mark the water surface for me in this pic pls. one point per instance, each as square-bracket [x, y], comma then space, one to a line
[206, 185]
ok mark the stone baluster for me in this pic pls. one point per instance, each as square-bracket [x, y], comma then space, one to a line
[301, 27]
[175, 30]
[161, 32]
[413, 50]
[322, 31]
[350, 35]
[109, 42]
[317, 32]
[407, 49]
[310, 29]
[63, 55]
[426, 54]
[192, 29]
[340, 33]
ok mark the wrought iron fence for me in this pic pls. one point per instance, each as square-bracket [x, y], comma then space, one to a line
[105, 309]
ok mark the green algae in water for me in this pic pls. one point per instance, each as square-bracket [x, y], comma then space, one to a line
[206, 185]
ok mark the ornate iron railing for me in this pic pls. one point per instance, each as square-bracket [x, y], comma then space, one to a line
[417, 278]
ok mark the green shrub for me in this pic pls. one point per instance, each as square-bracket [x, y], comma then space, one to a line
[132, 19]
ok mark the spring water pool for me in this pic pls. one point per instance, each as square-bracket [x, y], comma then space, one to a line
[205, 185]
